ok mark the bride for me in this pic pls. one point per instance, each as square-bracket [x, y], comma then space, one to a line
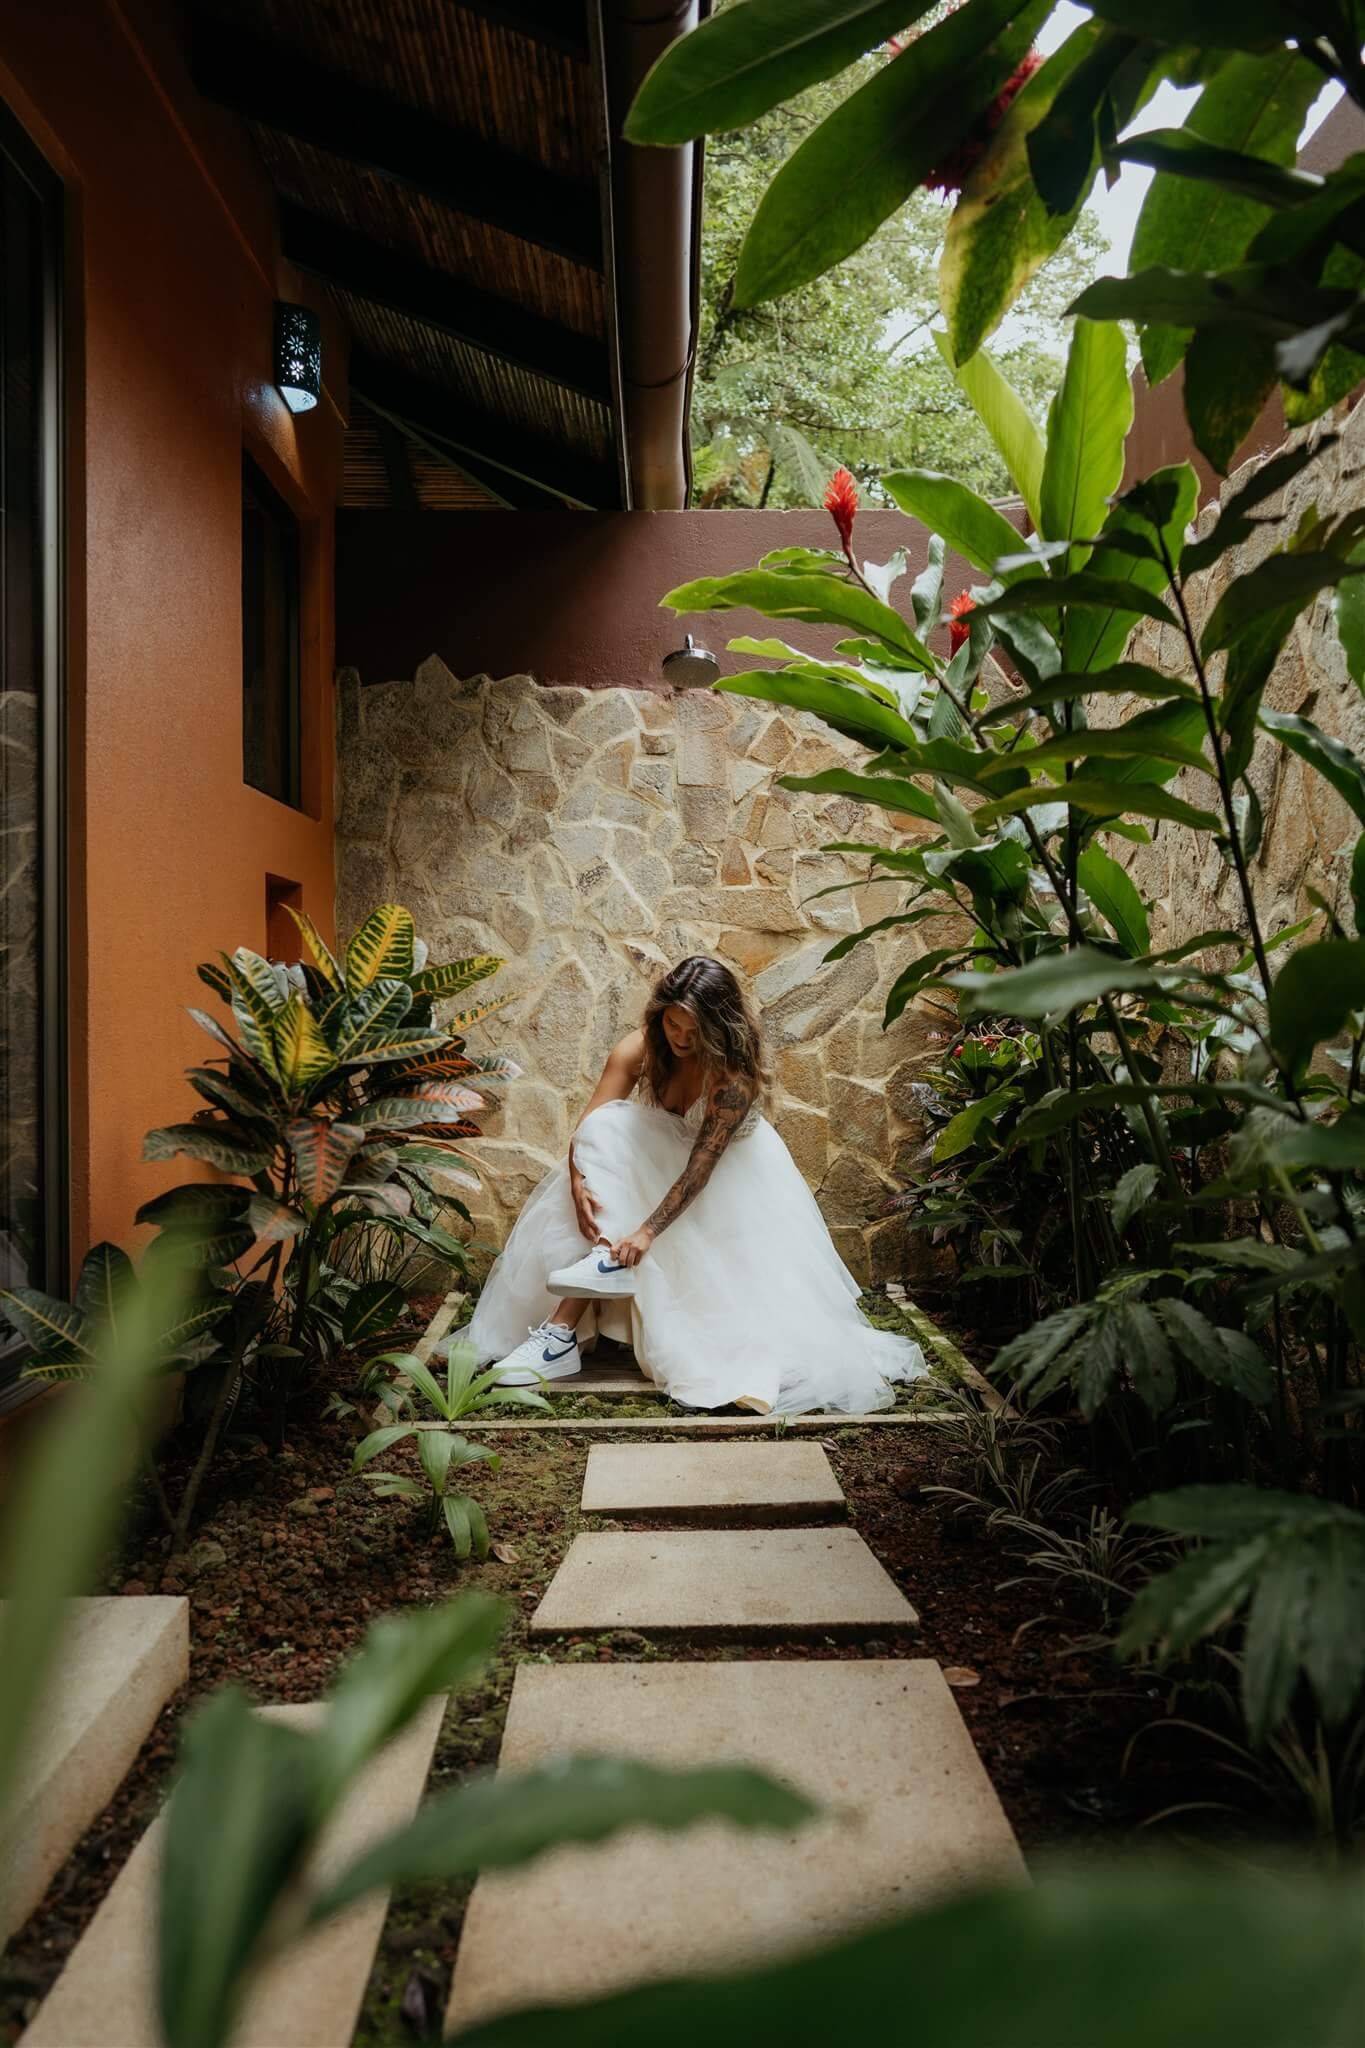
[707, 1253]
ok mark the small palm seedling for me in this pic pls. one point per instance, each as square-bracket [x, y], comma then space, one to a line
[441, 1451]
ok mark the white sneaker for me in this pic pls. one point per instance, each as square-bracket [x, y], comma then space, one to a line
[549, 1353]
[597, 1276]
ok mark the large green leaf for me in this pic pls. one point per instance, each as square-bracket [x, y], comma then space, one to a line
[1349, 611]
[1052, 985]
[745, 61]
[848, 710]
[1087, 427]
[1282, 579]
[878, 146]
[1145, 738]
[1000, 232]
[1096, 634]
[403, 1660]
[455, 976]
[823, 600]
[1180, 152]
[892, 792]
[1255, 105]
[1007, 420]
[1313, 994]
[1122, 679]
[1114, 894]
[1230, 374]
[196, 1205]
[245, 1786]
[1251, 25]
[971, 527]
[1102, 796]
[1245, 1960]
[1336, 763]
[961, 1131]
[1105, 593]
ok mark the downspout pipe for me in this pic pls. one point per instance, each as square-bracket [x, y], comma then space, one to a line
[656, 210]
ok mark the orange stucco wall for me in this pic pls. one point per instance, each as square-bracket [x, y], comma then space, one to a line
[172, 271]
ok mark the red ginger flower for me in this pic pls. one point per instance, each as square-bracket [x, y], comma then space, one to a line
[841, 502]
[952, 174]
[959, 632]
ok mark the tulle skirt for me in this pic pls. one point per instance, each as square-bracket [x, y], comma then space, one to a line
[742, 1298]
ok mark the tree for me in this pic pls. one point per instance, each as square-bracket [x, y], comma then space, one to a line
[845, 369]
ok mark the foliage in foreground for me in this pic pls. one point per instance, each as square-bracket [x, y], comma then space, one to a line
[1247, 270]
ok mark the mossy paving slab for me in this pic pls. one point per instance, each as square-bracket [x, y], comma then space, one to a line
[880, 1744]
[311, 1996]
[715, 1483]
[791, 1582]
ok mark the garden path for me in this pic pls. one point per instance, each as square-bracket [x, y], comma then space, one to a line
[878, 1743]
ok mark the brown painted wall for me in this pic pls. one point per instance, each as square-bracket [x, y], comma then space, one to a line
[172, 269]
[568, 597]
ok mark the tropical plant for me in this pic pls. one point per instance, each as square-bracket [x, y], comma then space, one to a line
[336, 1100]
[846, 362]
[440, 1451]
[1245, 269]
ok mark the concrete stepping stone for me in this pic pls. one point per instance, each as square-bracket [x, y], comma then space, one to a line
[310, 1996]
[124, 1658]
[737, 1483]
[721, 1581]
[881, 1744]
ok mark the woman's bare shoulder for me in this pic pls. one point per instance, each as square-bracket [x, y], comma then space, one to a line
[629, 1054]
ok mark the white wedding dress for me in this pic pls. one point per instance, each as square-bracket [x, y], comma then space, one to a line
[742, 1298]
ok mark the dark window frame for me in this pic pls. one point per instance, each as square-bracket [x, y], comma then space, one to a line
[282, 516]
[22, 159]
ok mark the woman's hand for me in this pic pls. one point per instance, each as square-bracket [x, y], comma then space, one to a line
[633, 1247]
[585, 1206]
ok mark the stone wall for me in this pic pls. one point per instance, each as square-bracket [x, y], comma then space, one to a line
[594, 837]
[1310, 832]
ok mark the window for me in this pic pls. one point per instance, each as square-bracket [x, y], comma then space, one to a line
[32, 937]
[270, 639]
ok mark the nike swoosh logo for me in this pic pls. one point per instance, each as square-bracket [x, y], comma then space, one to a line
[551, 1357]
[610, 1266]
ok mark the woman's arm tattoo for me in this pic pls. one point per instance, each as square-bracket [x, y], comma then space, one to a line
[725, 1112]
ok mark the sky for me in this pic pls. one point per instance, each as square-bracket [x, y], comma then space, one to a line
[1117, 206]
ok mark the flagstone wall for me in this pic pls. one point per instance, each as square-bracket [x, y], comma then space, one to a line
[594, 837]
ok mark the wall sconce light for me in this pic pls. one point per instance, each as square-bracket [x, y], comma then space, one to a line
[690, 667]
[298, 355]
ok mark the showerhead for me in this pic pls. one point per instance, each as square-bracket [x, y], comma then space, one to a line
[690, 667]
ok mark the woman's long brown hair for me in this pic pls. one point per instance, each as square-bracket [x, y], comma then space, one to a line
[731, 1039]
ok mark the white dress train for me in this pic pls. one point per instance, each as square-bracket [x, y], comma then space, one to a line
[742, 1298]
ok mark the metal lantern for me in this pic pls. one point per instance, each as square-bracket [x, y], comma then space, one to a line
[298, 355]
[691, 667]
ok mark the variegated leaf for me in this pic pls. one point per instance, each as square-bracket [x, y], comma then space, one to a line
[440, 1065]
[302, 1054]
[383, 947]
[195, 1205]
[379, 1051]
[322, 953]
[194, 1323]
[274, 1220]
[498, 1063]
[267, 979]
[46, 1323]
[376, 1012]
[438, 1102]
[215, 1030]
[225, 1094]
[253, 1021]
[105, 1277]
[322, 1151]
[214, 978]
[466, 1019]
[456, 975]
[217, 1144]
